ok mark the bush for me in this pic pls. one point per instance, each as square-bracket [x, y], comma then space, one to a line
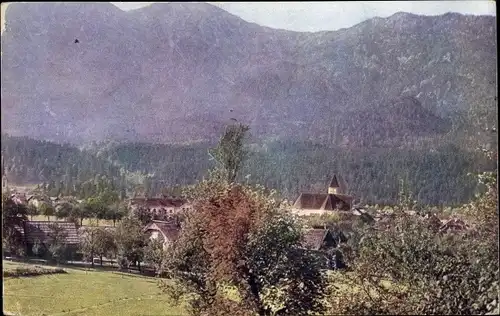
[410, 269]
[27, 271]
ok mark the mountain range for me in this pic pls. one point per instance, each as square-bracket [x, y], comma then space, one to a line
[178, 72]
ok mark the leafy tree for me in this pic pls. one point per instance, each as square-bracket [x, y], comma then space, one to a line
[239, 236]
[32, 210]
[116, 213]
[80, 212]
[106, 245]
[130, 240]
[13, 216]
[143, 215]
[95, 208]
[57, 242]
[47, 210]
[98, 241]
[428, 273]
[64, 210]
[89, 242]
[229, 153]
[155, 254]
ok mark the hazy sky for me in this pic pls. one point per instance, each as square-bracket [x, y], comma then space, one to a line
[319, 16]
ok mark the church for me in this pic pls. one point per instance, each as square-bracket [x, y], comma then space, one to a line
[335, 199]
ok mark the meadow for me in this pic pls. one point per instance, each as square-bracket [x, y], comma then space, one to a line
[84, 292]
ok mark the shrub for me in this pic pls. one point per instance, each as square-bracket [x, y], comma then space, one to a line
[27, 271]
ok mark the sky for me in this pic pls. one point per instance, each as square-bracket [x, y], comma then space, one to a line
[334, 15]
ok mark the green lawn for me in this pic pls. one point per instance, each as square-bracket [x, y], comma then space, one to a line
[81, 292]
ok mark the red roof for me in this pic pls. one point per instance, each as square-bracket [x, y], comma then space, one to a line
[40, 230]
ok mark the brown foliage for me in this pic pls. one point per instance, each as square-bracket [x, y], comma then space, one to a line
[238, 236]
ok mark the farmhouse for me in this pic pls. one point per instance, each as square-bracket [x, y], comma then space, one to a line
[160, 206]
[167, 232]
[40, 232]
[334, 199]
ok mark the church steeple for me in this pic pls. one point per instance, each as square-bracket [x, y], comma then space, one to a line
[335, 185]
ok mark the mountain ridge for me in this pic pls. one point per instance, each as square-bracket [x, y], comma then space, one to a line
[175, 72]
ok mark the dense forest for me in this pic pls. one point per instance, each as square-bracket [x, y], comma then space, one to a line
[435, 176]
[59, 169]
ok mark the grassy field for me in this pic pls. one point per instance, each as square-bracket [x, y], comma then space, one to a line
[81, 292]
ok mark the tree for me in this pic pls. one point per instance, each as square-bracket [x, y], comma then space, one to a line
[64, 210]
[47, 210]
[241, 237]
[88, 242]
[130, 240]
[229, 153]
[155, 254]
[57, 242]
[95, 240]
[81, 212]
[13, 217]
[95, 208]
[143, 215]
[106, 245]
[428, 272]
[116, 213]
[32, 210]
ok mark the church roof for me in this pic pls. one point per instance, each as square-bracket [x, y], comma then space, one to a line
[338, 182]
[311, 201]
[334, 183]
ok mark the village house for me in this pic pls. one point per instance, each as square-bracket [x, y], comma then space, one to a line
[334, 200]
[40, 232]
[326, 242]
[160, 206]
[167, 232]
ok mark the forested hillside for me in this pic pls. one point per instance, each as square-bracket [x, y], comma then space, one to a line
[435, 176]
[60, 169]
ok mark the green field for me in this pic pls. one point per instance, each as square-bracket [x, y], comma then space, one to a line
[81, 292]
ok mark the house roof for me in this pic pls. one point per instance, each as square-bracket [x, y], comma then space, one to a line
[433, 221]
[41, 229]
[169, 230]
[454, 224]
[313, 238]
[320, 201]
